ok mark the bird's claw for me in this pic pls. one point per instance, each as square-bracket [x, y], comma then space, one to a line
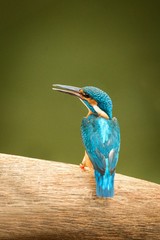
[84, 168]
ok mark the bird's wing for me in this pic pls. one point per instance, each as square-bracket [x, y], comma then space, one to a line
[101, 138]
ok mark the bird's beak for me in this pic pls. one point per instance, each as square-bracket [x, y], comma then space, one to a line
[75, 91]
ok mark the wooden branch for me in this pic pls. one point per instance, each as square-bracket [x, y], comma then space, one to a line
[50, 200]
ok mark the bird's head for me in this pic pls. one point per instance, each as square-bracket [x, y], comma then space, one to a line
[96, 100]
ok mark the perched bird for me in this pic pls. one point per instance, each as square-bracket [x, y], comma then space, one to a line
[100, 134]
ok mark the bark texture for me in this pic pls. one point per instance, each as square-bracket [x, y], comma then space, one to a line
[41, 199]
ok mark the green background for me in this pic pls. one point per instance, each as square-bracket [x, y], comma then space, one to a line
[113, 45]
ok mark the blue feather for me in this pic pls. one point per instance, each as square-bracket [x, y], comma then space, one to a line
[101, 138]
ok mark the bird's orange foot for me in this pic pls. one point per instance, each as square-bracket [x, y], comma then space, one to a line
[86, 164]
[84, 168]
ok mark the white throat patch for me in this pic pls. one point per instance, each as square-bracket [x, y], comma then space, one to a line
[100, 112]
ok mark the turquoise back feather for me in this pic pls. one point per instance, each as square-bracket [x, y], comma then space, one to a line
[101, 138]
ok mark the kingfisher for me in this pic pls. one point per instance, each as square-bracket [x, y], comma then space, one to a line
[100, 135]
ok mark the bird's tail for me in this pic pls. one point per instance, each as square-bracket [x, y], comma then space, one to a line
[104, 184]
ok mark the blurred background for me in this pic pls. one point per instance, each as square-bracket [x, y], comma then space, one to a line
[113, 45]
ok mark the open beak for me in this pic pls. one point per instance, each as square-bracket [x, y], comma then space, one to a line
[75, 91]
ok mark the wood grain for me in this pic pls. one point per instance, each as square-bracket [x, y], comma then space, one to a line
[49, 200]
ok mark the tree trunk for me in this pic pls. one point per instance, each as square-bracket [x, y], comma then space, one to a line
[52, 200]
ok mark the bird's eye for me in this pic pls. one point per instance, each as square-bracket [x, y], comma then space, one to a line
[86, 95]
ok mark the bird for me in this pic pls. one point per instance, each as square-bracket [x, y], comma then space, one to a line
[100, 134]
